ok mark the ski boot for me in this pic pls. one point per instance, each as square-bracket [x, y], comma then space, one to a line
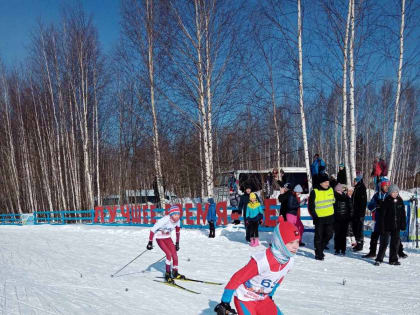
[377, 263]
[177, 275]
[395, 263]
[168, 277]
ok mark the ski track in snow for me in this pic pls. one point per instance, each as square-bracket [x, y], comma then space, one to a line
[66, 270]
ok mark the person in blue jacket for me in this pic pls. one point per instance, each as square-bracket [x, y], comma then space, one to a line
[317, 168]
[212, 217]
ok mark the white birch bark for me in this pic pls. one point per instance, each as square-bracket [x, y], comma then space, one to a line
[351, 97]
[201, 92]
[157, 162]
[209, 72]
[398, 94]
[345, 143]
[11, 147]
[302, 111]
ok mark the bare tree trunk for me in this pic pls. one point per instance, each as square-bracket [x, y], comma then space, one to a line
[150, 41]
[10, 147]
[398, 94]
[302, 111]
[202, 105]
[209, 72]
[345, 149]
[352, 107]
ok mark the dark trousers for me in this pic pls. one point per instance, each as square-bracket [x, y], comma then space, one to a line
[340, 234]
[212, 229]
[357, 227]
[374, 241]
[253, 228]
[393, 248]
[323, 234]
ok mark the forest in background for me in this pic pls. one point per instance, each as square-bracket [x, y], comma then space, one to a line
[197, 87]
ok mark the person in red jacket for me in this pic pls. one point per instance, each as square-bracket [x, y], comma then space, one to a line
[256, 283]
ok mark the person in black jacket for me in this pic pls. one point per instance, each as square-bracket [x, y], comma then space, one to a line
[391, 222]
[243, 202]
[341, 175]
[321, 208]
[359, 200]
[342, 216]
[285, 193]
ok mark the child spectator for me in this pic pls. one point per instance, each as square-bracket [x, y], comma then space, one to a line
[293, 211]
[391, 222]
[211, 217]
[342, 216]
[253, 217]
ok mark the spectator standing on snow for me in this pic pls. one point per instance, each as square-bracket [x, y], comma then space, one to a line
[342, 216]
[283, 198]
[341, 176]
[317, 168]
[243, 203]
[375, 205]
[359, 201]
[293, 211]
[391, 222]
[212, 217]
[253, 217]
[234, 203]
[321, 208]
[162, 231]
[255, 284]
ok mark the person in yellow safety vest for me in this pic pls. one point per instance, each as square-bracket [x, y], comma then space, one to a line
[321, 208]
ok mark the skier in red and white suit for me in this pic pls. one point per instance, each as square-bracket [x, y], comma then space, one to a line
[255, 284]
[162, 231]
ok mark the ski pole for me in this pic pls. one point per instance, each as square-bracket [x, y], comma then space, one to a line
[130, 262]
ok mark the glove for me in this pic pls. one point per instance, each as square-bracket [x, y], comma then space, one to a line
[224, 308]
[177, 246]
[149, 245]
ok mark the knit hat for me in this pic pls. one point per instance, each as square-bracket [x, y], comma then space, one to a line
[358, 178]
[323, 178]
[288, 186]
[174, 210]
[385, 183]
[283, 233]
[338, 188]
[252, 196]
[341, 165]
[393, 188]
[298, 189]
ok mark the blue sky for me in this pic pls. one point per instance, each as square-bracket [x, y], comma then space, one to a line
[19, 17]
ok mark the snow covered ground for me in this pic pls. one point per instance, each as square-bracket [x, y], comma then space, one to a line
[66, 270]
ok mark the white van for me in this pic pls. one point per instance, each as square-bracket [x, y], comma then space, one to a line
[255, 179]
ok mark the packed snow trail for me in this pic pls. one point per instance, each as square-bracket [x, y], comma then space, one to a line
[66, 270]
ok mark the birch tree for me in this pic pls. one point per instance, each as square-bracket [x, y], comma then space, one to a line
[351, 96]
[345, 141]
[398, 92]
[302, 111]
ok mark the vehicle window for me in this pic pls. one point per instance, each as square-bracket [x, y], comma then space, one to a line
[253, 180]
